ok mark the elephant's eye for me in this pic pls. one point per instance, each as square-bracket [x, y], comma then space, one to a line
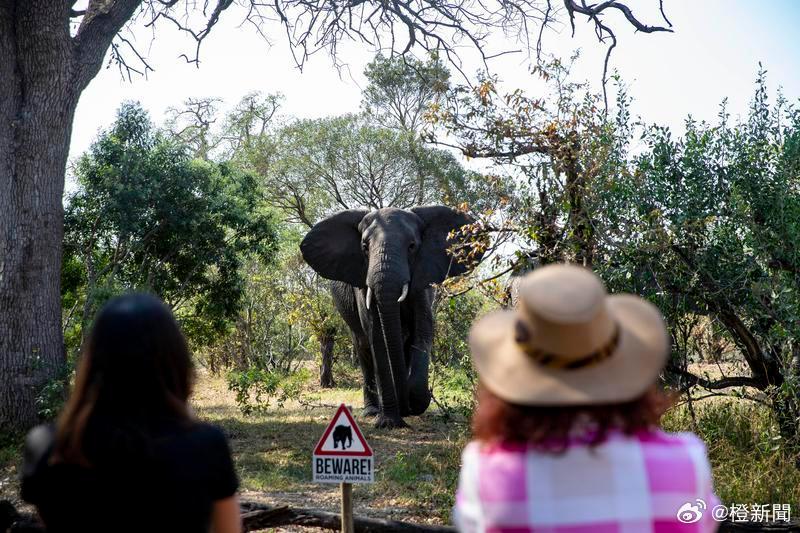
[412, 246]
[364, 246]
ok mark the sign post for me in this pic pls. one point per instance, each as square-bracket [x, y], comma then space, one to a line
[343, 456]
[347, 508]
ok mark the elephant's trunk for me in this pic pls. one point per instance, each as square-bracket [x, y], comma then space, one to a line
[387, 275]
[394, 393]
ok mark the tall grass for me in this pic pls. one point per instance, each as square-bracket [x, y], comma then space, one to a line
[750, 461]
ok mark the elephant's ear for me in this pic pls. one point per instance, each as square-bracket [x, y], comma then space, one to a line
[333, 248]
[434, 263]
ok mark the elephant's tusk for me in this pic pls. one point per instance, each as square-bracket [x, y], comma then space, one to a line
[404, 294]
[369, 296]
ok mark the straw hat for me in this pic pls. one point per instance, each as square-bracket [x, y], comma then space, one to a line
[569, 342]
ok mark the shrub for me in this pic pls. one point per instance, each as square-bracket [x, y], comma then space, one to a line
[256, 388]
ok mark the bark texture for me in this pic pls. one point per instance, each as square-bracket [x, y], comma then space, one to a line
[43, 70]
[37, 103]
[326, 344]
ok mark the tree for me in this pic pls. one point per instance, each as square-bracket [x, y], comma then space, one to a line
[400, 93]
[324, 165]
[312, 306]
[547, 154]
[401, 89]
[49, 52]
[146, 216]
[192, 125]
[705, 226]
[286, 318]
[713, 219]
[243, 131]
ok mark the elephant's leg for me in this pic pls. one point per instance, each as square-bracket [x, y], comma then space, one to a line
[419, 353]
[365, 360]
[345, 299]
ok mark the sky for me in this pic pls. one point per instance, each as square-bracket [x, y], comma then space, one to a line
[713, 53]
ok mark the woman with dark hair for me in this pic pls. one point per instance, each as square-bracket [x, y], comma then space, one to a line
[126, 453]
[566, 431]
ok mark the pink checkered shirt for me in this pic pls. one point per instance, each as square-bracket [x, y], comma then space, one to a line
[627, 484]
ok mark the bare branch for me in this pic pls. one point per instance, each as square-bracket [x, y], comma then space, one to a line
[689, 380]
[101, 23]
[661, 8]
[448, 27]
[125, 69]
[594, 11]
[603, 32]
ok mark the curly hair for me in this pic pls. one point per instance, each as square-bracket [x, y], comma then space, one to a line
[552, 428]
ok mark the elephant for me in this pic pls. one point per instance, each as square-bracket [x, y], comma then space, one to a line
[342, 433]
[382, 264]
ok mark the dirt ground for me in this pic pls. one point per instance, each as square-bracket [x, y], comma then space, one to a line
[416, 468]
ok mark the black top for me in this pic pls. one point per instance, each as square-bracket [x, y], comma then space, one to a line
[169, 487]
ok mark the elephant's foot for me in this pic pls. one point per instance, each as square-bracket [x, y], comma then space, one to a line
[389, 422]
[370, 410]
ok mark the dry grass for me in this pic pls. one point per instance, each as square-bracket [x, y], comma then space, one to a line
[416, 468]
[750, 462]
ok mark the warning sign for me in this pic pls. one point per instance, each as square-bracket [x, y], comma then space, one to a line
[342, 454]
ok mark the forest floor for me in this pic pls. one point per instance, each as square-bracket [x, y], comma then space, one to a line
[417, 467]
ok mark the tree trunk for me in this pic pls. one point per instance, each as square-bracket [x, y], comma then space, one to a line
[37, 103]
[579, 217]
[326, 343]
[43, 70]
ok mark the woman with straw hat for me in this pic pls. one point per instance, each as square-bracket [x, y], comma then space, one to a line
[566, 429]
